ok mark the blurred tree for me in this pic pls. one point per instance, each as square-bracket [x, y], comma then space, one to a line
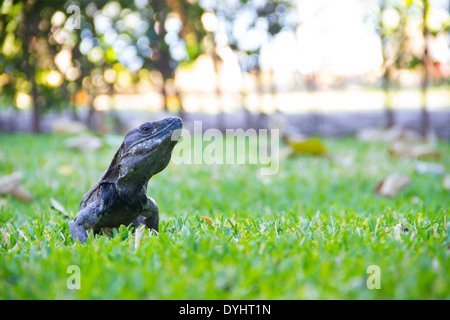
[405, 36]
[393, 19]
[174, 38]
[102, 38]
[385, 33]
[48, 55]
[426, 61]
[246, 26]
[51, 50]
[121, 39]
[27, 55]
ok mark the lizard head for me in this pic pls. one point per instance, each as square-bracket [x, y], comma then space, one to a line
[146, 149]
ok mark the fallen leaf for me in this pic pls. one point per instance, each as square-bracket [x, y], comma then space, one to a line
[392, 185]
[424, 150]
[67, 126]
[405, 142]
[413, 150]
[379, 134]
[10, 184]
[296, 141]
[208, 220]
[22, 194]
[84, 143]
[54, 204]
[428, 167]
[309, 146]
[388, 134]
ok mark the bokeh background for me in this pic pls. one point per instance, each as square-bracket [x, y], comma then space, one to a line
[327, 67]
[374, 73]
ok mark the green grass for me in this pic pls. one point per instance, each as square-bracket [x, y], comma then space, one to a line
[308, 232]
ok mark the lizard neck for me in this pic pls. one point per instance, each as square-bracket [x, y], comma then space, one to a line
[133, 193]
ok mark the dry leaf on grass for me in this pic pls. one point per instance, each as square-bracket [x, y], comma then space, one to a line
[308, 146]
[22, 194]
[84, 143]
[208, 220]
[411, 146]
[405, 142]
[10, 184]
[428, 167]
[67, 126]
[378, 134]
[58, 207]
[413, 150]
[390, 134]
[296, 142]
[392, 185]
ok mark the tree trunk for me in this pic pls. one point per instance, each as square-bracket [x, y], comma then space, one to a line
[73, 110]
[425, 62]
[181, 111]
[29, 68]
[218, 91]
[164, 94]
[36, 118]
[161, 9]
[248, 114]
[90, 121]
[315, 117]
[389, 112]
[261, 119]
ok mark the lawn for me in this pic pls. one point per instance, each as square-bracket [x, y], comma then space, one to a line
[309, 232]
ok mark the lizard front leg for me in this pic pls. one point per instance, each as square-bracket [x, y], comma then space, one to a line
[150, 215]
[85, 219]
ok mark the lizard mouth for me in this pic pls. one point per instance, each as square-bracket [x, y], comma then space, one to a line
[175, 125]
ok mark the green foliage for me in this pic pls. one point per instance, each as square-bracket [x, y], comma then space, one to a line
[398, 38]
[35, 33]
[308, 232]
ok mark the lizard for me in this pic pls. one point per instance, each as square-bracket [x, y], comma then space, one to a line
[120, 196]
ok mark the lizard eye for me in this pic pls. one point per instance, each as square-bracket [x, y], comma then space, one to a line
[146, 129]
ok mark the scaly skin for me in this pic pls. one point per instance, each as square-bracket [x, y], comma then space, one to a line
[120, 196]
